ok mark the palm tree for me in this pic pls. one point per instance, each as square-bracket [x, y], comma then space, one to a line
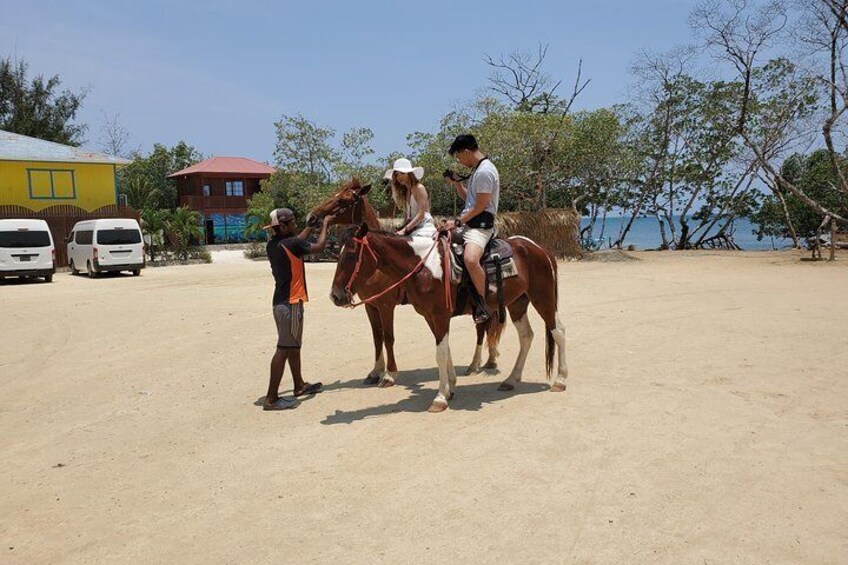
[141, 194]
[184, 223]
[153, 223]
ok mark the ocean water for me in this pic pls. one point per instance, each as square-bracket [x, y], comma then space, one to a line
[645, 234]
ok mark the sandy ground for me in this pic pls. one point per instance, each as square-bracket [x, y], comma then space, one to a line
[228, 256]
[705, 422]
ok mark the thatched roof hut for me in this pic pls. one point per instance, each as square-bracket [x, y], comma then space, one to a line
[556, 229]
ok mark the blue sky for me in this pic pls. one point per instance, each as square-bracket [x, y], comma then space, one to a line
[219, 74]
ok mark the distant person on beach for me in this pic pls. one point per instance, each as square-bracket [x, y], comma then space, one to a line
[285, 253]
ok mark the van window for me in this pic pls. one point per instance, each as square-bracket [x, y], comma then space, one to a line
[16, 239]
[118, 237]
[84, 237]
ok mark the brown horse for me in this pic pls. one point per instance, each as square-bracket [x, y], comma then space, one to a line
[428, 288]
[350, 206]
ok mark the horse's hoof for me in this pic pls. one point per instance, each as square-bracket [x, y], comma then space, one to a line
[558, 387]
[472, 371]
[371, 380]
[451, 395]
[505, 387]
[491, 365]
[386, 382]
[438, 407]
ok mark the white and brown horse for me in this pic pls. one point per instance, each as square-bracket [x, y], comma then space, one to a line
[350, 206]
[418, 266]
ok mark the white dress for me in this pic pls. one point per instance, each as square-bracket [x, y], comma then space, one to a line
[425, 228]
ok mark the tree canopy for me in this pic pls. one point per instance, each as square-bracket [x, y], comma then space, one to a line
[36, 106]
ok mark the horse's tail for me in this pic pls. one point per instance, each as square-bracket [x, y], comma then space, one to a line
[550, 344]
[494, 330]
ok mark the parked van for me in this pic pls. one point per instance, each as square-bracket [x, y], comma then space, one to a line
[26, 249]
[97, 246]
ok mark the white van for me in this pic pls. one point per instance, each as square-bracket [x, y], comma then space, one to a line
[97, 246]
[26, 249]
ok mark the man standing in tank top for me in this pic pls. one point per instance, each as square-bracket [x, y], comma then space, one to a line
[481, 193]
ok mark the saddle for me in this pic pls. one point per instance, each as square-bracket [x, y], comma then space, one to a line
[498, 263]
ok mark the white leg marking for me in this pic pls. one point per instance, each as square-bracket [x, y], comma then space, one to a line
[379, 365]
[559, 338]
[451, 373]
[442, 358]
[388, 380]
[525, 338]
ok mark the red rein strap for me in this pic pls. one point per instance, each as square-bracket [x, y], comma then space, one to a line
[363, 244]
[447, 273]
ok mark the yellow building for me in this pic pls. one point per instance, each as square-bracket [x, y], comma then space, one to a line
[37, 174]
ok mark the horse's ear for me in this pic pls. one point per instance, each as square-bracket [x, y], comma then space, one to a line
[362, 231]
[365, 189]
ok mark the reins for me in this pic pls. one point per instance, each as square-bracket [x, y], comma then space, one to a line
[365, 244]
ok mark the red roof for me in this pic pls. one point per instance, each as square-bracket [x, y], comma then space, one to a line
[227, 165]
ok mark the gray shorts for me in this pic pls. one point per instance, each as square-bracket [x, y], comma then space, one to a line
[289, 318]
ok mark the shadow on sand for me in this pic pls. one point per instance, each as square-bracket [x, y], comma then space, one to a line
[468, 397]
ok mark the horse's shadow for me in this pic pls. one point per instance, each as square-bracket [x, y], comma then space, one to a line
[468, 397]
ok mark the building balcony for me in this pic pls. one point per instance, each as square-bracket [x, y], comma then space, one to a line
[201, 203]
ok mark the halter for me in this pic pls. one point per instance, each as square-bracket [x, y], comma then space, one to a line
[365, 244]
[357, 204]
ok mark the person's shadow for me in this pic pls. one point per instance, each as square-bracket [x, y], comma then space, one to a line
[468, 397]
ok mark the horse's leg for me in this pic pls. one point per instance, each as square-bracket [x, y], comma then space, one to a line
[387, 321]
[377, 333]
[451, 376]
[544, 300]
[558, 333]
[443, 360]
[518, 314]
[493, 332]
[474, 367]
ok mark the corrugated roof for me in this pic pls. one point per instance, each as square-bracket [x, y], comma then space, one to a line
[227, 165]
[17, 147]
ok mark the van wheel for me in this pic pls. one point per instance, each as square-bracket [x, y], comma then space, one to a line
[74, 270]
[48, 278]
[92, 274]
[136, 272]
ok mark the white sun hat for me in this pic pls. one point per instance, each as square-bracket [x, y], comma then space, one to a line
[405, 166]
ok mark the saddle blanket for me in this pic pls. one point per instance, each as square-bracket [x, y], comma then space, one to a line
[508, 269]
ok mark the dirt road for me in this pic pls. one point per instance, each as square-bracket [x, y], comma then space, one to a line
[705, 422]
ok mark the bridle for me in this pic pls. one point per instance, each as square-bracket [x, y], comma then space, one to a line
[356, 205]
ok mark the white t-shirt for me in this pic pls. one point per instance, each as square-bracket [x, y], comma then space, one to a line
[484, 179]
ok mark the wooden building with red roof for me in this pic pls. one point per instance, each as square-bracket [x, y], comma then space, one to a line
[218, 188]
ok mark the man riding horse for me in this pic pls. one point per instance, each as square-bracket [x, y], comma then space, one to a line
[481, 193]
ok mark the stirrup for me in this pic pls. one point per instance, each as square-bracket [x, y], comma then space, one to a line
[481, 314]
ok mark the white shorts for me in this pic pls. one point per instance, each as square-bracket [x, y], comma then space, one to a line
[478, 237]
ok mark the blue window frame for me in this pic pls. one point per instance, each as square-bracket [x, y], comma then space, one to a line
[51, 184]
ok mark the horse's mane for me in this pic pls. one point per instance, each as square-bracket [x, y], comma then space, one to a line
[352, 184]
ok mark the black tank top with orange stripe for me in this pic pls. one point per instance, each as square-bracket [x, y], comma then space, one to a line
[286, 258]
